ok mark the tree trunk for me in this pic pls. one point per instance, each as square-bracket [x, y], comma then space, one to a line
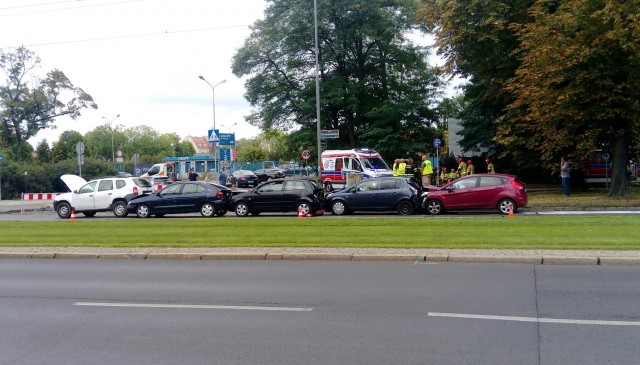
[619, 168]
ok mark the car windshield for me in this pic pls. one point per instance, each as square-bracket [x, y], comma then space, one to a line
[141, 182]
[374, 163]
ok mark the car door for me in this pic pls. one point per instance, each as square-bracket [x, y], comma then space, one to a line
[461, 193]
[166, 201]
[292, 192]
[389, 194]
[83, 199]
[190, 198]
[489, 191]
[104, 194]
[268, 197]
[363, 196]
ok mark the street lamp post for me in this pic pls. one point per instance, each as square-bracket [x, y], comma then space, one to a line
[213, 99]
[113, 151]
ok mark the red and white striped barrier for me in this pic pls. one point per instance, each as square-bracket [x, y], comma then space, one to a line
[39, 196]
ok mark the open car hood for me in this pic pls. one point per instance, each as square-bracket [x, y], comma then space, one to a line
[73, 182]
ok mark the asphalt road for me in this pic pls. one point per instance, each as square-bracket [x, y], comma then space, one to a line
[262, 312]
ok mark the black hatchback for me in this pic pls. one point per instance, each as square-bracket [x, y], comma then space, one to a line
[183, 197]
[280, 195]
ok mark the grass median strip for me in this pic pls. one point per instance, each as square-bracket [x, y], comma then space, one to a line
[522, 232]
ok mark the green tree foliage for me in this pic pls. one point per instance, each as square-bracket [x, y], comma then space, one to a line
[43, 152]
[375, 85]
[578, 83]
[475, 38]
[29, 104]
[65, 147]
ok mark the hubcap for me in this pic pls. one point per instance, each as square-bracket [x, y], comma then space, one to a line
[338, 208]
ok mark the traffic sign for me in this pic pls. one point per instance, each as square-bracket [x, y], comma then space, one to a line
[329, 133]
[214, 135]
[436, 142]
[306, 154]
[80, 148]
[225, 154]
[227, 139]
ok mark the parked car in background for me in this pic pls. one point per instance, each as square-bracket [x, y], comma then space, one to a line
[243, 178]
[377, 194]
[99, 195]
[183, 197]
[269, 174]
[294, 169]
[280, 195]
[481, 191]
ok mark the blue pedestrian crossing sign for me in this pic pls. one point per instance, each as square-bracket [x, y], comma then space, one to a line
[214, 135]
[436, 142]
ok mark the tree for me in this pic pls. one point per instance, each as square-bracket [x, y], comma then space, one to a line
[29, 104]
[65, 147]
[43, 152]
[578, 83]
[376, 86]
[477, 43]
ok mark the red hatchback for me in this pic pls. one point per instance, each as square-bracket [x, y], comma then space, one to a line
[479, 191]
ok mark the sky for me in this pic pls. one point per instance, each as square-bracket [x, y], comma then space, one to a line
[140, 59]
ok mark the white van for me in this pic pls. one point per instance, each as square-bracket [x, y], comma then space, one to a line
[338, 164]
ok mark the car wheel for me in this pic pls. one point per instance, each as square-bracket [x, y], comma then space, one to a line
[221, 212]
[64, 210]
[434, 207]
[339, 208]
[504, 206]
[304, 208]
[207, 210]
[241, 209]
[120, 209]
[89, 214]
[405, 208]
[143, 211]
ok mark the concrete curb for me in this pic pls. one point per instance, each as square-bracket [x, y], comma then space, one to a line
[534, 259]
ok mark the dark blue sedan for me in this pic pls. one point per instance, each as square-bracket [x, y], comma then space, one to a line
[183, 197]
[377, 194]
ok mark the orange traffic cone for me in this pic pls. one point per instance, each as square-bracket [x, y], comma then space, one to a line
[511, 211]
[73, 216]
[300, 215]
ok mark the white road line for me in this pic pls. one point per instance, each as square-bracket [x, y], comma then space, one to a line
[535, 320]
[193, 306]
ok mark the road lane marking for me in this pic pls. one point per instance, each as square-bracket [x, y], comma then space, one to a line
[535, 320]
[194, 306]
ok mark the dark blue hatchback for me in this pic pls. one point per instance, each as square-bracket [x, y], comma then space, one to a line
[377, 194]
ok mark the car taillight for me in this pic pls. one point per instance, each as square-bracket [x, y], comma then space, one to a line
[135, 191]
[517, 185]
[219, 195]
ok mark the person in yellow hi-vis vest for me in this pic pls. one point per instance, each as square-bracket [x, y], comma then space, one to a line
[396, 164]
[490, 168]
[402, 167]
[470, 168]
[426, 169]
[462, 167]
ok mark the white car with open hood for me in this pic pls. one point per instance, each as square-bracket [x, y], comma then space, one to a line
[99, 195]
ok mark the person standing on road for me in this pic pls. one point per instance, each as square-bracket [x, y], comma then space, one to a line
[470, 168]
[396, 166]
[565, 175]
[427, 170]
[462, 167]
[490, 168]
[193, 176]
[223, 178]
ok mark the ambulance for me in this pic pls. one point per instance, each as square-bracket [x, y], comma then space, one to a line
[338, 164]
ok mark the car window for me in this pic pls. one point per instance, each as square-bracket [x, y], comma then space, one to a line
[368, 185]
[192, 189]
[88, 188]
[464, 183]
[120, 184]
[271, 187]
[293, 185]
[171, 190]
[388, 184]
[142, 183]
[105, 185]
[491, 181]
